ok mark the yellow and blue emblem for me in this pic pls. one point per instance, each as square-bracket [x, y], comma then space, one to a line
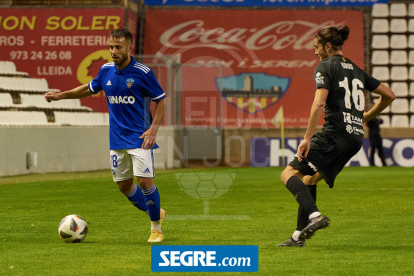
[253, 92]
[129, 82]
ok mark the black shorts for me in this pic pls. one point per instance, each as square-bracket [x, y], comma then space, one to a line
[327, 155]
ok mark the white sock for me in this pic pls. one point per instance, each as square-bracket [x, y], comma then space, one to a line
[156, 225]
[296, 235]
[314, 215]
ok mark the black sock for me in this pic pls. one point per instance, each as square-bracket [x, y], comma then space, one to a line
[302, 215]
[301, 194]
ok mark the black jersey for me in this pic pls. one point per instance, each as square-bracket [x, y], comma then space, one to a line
[345, 104]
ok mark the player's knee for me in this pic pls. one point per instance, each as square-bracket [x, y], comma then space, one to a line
[125, 186]
[284, 176]
[145, 183]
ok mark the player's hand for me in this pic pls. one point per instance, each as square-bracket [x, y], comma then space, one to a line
[303, 150]
[149, 138]
[52, 96]
[363, 117]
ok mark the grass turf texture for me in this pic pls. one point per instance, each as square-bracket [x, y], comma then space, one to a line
[371, 212]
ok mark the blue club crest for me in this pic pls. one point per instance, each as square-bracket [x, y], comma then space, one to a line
[253, 92]
[129, 82]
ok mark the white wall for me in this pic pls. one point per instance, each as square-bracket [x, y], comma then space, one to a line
[67, 149]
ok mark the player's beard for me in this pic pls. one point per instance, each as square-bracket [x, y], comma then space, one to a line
[120, 59]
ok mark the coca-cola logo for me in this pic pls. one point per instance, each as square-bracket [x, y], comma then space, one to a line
[277, 36]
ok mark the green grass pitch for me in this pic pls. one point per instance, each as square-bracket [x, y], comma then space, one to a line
[371, 231]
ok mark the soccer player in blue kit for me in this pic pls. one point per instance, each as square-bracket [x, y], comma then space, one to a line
[129, 87]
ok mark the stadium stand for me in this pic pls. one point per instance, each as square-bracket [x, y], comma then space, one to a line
[397, 57]
[22, 103]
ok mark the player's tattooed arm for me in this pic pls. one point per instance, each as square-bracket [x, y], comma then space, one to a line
[76, 93]
[150, 135]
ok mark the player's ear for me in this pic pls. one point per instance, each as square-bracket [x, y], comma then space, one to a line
[328, 47]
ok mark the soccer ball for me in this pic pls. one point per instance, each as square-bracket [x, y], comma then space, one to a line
[73, 229]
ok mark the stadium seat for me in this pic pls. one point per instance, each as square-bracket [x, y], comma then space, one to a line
[380, 10]
[380, 42]
[411, 57]
[399, 57]
[399, 121]
[411, 25]
[6, 99]
[399, 73]
[381, 73]
[106, 118]
[23, 118]
[411, 10]
[9, 68]
[380, 26]
[412, 121]
[411, 41]
[380, 57]
[80, 118]
[398, 25]
[400, 106]
[385, 120]
[411, 74]
[398, 42]
[400, 89]
[398, 10]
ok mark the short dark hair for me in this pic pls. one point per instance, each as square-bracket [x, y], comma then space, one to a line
[121, 32]
[335, 36]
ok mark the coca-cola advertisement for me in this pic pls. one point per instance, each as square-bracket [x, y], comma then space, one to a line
[260, 62]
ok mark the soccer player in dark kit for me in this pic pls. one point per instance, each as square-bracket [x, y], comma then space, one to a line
[340, 85]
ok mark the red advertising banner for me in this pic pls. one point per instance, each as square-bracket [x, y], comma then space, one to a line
[67, 47]
[267, 61]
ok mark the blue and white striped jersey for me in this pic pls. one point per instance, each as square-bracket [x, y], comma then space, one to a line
[129, 93]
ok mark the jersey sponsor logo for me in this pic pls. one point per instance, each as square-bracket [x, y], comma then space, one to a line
[108, 83]
[312, 166]
[351, 119]
[129, 82]
[347, 66]
[121, 99]
[319, 78]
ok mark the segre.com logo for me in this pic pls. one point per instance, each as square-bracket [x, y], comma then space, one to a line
[205, 258]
